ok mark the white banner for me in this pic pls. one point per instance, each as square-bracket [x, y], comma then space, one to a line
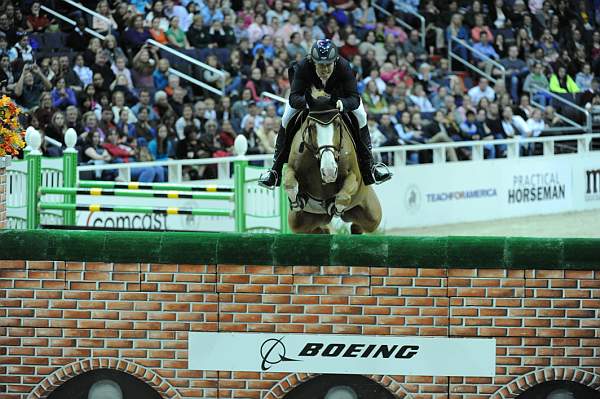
[342, 354]
[459, 192]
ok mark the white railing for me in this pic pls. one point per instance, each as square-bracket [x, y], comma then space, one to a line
[92, 13]
[397, 154]
[222, 74]
[588, 117]
[71, 22]
[273, 96]
[403, 23]
[490, 61]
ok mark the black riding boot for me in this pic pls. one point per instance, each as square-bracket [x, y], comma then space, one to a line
[371, 172]
[272, 177]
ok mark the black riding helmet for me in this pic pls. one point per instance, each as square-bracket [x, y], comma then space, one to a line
[323, 52]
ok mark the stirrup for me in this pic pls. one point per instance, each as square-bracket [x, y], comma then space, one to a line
[265, 177]
[387, 174]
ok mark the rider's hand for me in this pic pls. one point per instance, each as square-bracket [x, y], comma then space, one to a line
[339, 105]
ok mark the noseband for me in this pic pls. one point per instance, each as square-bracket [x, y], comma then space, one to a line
[325, 117]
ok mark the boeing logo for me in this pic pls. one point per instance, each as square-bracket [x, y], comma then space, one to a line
[272, 352]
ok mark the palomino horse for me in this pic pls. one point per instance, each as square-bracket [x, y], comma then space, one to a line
[323, 179]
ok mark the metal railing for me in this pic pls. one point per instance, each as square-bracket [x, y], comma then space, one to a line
[587, 128]
[452, 55]
[71, 22]
[273, 96]
[91, 12]
[397, 154]
[222, 74]
[403, 23]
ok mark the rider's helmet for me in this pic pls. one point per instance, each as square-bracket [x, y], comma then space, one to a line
[324, 52]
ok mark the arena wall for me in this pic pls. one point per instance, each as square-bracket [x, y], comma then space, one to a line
[77, 301]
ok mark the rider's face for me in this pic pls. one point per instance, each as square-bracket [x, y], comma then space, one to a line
[324, 71]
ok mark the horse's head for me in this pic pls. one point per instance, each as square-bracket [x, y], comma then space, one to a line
[323, 136]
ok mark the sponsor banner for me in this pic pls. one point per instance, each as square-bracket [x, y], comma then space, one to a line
[138, 221]
[342, 354]
[592, 184]
[459, 192]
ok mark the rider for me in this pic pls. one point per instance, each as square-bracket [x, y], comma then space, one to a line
[326, 70]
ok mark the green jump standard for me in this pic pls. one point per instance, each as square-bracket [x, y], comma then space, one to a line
[304, 250]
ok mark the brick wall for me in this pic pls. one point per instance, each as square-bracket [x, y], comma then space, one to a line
[59, 319]
[3, 164]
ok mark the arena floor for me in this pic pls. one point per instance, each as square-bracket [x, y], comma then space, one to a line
[574, 224]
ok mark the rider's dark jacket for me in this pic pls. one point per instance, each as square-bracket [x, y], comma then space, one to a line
[341, 85]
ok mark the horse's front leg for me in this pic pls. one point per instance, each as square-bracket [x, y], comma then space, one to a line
[344, 196]
[290, 183]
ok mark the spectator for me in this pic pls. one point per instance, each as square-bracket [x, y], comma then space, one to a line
[22, 50]
[516, 70]
[583, 79]
[374, 102]
[157, 12]
[103, 23]
[186, 119]
[436, 132]
[481, 90]
[420, 100]
[92, 153]
[158, 34]
[536, 81]
[479, 28]
[161, 147]
[72, 119]
[142, 128]
[62, 96]
[143, 68]
[176, 35]
[536, 126]
[561, 83]
[30, 85]
[136, 35]
[266, 135]
[37, 22]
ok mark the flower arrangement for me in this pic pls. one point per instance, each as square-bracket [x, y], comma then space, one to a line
[11, 132]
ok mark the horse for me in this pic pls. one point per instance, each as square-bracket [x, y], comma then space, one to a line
[323, 179]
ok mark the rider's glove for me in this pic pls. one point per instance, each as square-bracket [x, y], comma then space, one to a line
[339, 105]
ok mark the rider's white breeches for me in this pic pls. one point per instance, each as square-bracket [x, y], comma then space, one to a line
[289, 112]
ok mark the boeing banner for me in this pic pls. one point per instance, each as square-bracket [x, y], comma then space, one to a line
[342, 354]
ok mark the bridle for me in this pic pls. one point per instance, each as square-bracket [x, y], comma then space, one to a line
[307, 142]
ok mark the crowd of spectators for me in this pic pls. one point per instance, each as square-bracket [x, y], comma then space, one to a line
[126, 105]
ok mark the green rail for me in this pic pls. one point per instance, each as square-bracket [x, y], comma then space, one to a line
[137, 209]
[96, 191]
[154, 186]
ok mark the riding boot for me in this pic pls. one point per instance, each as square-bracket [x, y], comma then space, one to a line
[272, 177]
[371, 172]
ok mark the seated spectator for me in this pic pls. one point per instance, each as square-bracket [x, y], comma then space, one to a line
[78, 39]
[62, 96]
[266, 135]
[186, 119]
[73, 120]
[124, 128]
[516, 70]
[414, 45]
[484, 47]
[104, 23]
[481, 90]
[157, 12]
[161, 147]
[583, 79]
[144, 102]
[37, 21]
[420, 100]
[144, 63]
[563, 84]
[158, 34]
[374, 102]
[471, 130]
[7, 74]
[197, 35]
[536, 126]
[57, 127]
[136, 35]
[436, 132]
[118, 101]
[143, 128]
[161, 74]
[535, 81]
[30, 86]
[112, 49]
[92, 153]
[22, 50]
[176, 35]
[479, 28]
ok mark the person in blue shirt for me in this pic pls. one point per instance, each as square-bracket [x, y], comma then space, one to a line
[161, 75]
[471, 130]
[161, 147]
[484, 47]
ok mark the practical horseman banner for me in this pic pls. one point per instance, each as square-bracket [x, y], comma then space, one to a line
[342, 354]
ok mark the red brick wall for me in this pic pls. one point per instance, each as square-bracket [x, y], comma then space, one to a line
[59, 319]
